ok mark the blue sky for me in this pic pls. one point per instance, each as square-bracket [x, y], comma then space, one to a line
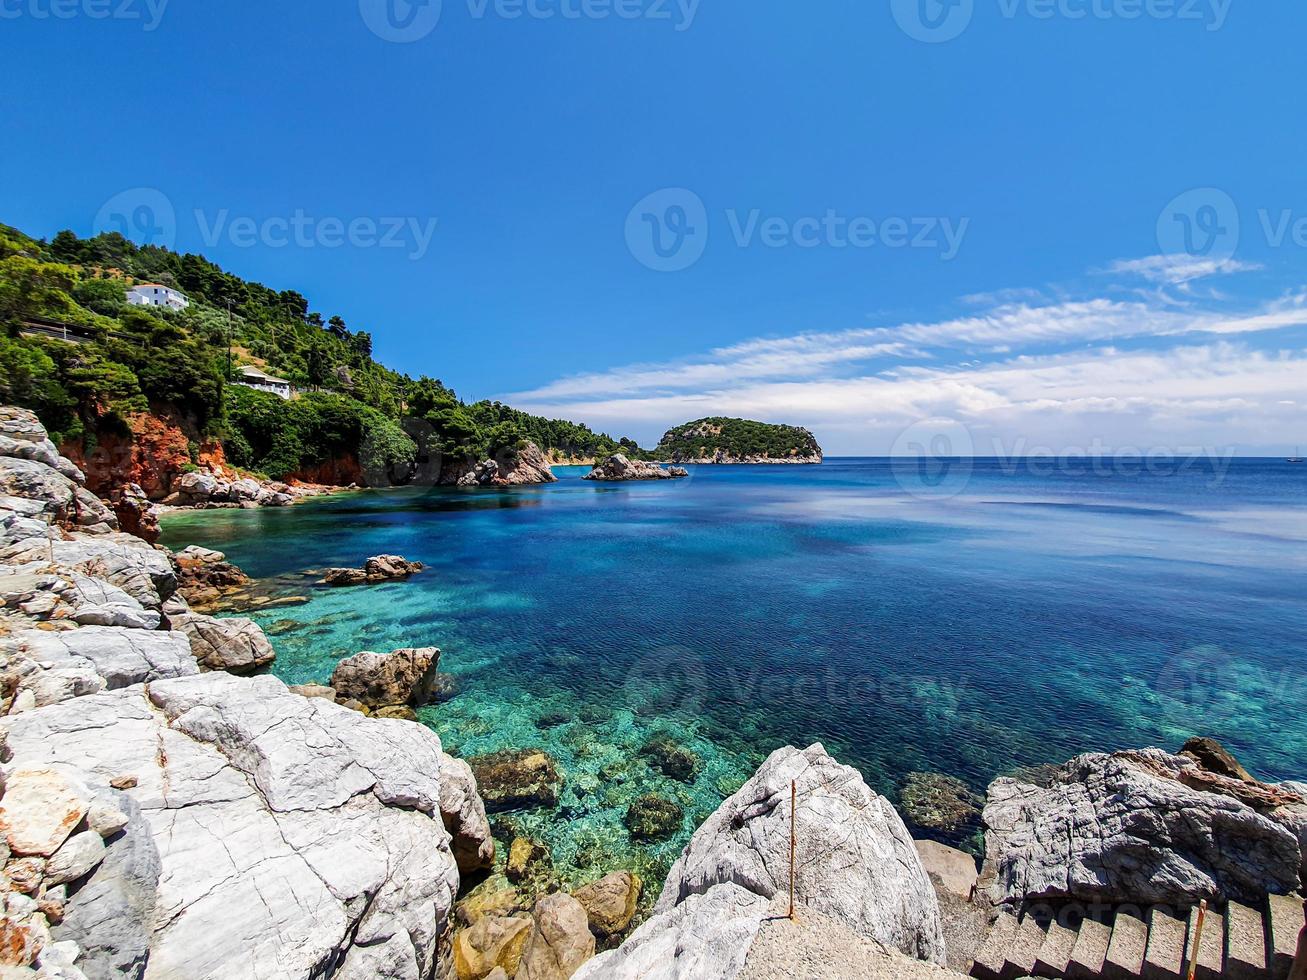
[863, 223]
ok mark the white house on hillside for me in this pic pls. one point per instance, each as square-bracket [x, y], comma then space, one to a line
[152, 294]
[252, 377]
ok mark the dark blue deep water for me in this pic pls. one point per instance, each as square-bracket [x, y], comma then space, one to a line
[970, 622]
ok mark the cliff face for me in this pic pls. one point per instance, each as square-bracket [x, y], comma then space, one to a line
[154, 453]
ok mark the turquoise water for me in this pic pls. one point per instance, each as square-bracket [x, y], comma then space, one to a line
[1003, 616]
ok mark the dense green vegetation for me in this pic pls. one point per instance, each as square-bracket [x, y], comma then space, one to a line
[736, 438]
[181, 362]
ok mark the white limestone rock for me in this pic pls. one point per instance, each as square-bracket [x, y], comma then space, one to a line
[858, 863]
[705, 935]
[1145, 827]
[121, 657]
[78, 856]
[295, 838]
[124, 560]
[235, 644]
[464, 816]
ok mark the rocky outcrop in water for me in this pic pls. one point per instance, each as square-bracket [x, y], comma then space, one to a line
[1145, 827]
[617, 468]
[523, 466]
[377, 569]
[378, 680]
[857, 865]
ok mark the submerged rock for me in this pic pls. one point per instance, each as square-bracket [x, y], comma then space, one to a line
[652, 818]
[617, 468]
[493, 941]
[940, 802]
[560, 940]
[527, 859]
[672, 760]
[516, 779]
[1145, 827]
[610, 902]
[402, 677]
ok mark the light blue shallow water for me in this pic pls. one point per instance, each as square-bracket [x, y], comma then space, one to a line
[1000, 617]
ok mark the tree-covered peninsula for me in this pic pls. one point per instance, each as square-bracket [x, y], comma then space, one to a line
[111, 380]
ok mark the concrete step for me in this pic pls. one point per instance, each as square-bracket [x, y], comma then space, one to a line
[1245, 943]
[992, 955]
[1210, 954]
[1026, 945]
[1164, 957]
[1125, 951]
[1284, 920]
[1055, 954]
[1089, 952]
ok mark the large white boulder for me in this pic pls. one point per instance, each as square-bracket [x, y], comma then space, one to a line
[855, 862]
[1145, 827]
[294, 838]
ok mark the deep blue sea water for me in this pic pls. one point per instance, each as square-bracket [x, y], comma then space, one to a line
[995, 616]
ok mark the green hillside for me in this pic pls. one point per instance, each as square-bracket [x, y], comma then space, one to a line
[134, 360]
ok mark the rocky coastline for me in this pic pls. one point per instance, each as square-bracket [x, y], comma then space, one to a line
[618, 469]
[167, 810]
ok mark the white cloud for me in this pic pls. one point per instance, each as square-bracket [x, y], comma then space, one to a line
[1135, 372]
[1178, 269]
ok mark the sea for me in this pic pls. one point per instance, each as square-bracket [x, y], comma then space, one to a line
[936, 625]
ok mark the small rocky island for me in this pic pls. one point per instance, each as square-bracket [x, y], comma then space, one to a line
[726, 441]
[618, 469]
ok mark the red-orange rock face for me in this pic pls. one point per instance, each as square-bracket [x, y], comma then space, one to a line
[152, 456]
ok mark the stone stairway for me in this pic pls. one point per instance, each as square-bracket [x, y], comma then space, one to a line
[1238, 942]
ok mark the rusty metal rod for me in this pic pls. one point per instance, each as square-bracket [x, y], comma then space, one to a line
[794, 795]
[1196, 945]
